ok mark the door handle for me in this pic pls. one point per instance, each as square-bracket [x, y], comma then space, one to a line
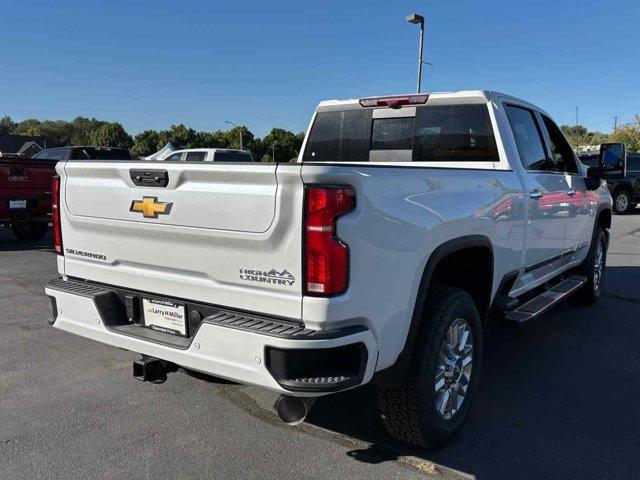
[536, 194]
[570, 191]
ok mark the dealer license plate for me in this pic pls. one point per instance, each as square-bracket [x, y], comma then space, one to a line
[164, 316]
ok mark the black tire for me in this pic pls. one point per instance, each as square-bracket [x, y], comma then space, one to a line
[409, 413]
[591, 291]
[622, 202]
[29, 231]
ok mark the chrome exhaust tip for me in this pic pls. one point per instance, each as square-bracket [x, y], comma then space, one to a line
[293, 410]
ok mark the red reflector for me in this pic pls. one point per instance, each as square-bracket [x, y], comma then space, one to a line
[394, 102]
[327, 258]
[55, 217]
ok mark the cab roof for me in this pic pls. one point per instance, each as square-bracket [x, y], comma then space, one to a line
[463, 96]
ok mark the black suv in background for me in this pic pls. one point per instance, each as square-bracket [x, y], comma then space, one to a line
[625, 189]
[85, 153]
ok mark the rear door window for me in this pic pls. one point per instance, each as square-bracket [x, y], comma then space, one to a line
[440, 133]
[528, 138]
[562, 155]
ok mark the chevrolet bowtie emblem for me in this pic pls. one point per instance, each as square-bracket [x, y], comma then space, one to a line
[150, 207]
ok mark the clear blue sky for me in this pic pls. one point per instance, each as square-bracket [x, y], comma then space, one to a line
[264, 64]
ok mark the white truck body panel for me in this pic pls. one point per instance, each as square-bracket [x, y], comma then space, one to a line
[226, 218]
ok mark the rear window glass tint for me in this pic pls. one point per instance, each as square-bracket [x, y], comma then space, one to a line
[528, 138]
[441, 133]
[232, 157]
[339, 137]
[392, 133]
[102, 153]
[454, 133]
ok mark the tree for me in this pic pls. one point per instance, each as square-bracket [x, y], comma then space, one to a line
[574, 130]
[111, 135]
[180, 136]
[59, 130]
[231, 138]
[7, 125]
[283, 143]
[578, 136]
[629, 134]
[83, 128]
[146, 143]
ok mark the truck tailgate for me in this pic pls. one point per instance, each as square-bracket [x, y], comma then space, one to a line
[225, 234]
[24, 175]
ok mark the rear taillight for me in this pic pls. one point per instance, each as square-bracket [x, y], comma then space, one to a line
[55, 217]
[327, 258]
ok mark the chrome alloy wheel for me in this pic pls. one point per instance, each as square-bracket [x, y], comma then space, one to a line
[598, 265]
[453, 373]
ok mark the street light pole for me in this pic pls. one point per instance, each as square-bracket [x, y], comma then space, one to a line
[239, 131]
[418, 19]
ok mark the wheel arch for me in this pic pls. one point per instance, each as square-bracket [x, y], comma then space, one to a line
[457, 246]
[603, 220]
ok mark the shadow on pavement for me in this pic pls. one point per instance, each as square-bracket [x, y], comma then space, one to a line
[9, 243]
[557, 398]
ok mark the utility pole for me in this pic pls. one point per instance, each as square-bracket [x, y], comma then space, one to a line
[615, 122]
[577, 123]
[418, 19]
[239, 131]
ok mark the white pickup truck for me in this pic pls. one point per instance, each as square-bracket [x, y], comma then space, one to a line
[407, 222]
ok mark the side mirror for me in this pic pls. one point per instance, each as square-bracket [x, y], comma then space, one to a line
[613, 158]
[593, 180]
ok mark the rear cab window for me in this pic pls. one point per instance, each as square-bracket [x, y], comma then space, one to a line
[196, 156]
[96, 153]
[429, 133]
[174, 157]
[235, 157]
[57, 154]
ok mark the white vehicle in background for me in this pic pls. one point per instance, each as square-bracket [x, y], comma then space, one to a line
[209, 155]
[407, 222]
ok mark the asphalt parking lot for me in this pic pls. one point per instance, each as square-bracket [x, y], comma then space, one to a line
[558, 399]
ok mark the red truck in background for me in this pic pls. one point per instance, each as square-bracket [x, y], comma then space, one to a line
[25, 195]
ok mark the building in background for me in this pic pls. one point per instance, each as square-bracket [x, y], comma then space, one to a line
[26, 145]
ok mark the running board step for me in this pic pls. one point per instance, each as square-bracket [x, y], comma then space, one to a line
[547, 299]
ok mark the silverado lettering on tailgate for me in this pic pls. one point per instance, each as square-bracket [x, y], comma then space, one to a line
[80, 253]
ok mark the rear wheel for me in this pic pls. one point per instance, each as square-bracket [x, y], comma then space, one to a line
[431, 407]
[29, 231]
[621, 202]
